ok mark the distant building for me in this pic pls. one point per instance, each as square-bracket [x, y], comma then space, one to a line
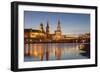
[34, 34]
[43, 34]
[42, 28]
[58, 33]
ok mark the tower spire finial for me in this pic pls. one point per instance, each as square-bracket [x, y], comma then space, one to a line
[47, 28]
[41, 27]
[58, 22]
[58, 26]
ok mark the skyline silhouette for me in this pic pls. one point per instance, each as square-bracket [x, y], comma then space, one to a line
[73, 23]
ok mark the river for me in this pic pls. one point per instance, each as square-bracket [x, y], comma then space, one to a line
[56, 51]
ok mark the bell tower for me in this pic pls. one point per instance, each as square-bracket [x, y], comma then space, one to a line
[48, 31]
[41, 27]
[58, 26]
[58, 33]
[47, 28]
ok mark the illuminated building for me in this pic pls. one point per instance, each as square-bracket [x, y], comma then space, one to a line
[42, 28]
[41, 34]
[58, 33]
[44, 35]
[34, 34]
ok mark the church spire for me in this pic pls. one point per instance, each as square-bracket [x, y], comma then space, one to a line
[58, 26]
[47, 28]
[58, 21]
[41, 27]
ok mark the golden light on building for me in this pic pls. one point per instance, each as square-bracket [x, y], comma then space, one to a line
[42, 34]
[58, 33]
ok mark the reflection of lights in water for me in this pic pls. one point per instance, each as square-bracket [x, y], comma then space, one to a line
[81, 46]
[37, 51]
[73, 50]
[26, 49]
[57, 51]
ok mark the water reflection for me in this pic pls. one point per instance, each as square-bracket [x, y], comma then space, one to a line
[56, 51]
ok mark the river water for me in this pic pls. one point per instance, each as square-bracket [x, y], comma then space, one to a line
[56, 51]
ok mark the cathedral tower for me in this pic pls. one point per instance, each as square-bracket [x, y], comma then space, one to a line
[58, 26]
[47, 29]
[41, 27]
[58, 33]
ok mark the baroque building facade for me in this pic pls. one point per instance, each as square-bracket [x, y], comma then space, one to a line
[43, 34]
[58, 33]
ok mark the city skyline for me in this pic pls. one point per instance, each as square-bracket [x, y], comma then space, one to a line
[71, 23]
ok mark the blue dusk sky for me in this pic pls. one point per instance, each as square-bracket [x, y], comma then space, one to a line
[71, 23]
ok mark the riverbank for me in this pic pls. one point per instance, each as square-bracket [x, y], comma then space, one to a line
[55, 41]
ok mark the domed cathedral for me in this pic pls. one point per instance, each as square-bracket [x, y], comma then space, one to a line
[58, 33]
